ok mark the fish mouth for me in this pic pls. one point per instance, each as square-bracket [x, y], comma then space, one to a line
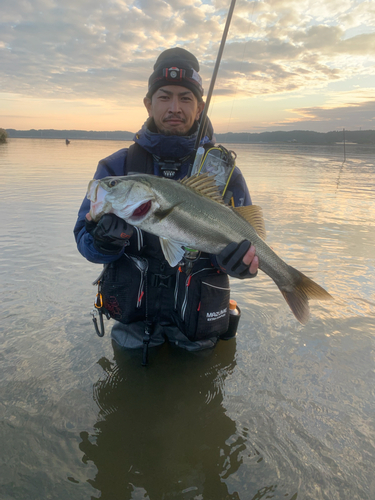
[96, 194]
[92, 190]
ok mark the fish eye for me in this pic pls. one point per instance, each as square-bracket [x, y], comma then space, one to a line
[112, 183]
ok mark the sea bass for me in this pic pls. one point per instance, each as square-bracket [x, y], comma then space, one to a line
[190, 213]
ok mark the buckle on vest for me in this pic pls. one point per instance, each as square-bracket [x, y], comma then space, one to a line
[169, 168]
[161, 280]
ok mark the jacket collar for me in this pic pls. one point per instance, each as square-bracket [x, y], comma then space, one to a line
[166, 146]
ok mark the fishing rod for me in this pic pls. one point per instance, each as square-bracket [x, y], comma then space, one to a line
[203, 119]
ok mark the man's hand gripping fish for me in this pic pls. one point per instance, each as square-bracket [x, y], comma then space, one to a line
[190, 213]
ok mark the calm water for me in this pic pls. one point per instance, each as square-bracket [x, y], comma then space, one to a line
[283, 411]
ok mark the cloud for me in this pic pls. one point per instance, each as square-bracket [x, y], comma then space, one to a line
[365, 109]
[351, 116]
[95, 50]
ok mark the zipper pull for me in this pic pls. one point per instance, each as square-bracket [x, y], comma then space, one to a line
[140, 296]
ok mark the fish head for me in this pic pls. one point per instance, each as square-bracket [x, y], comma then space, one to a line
[129, 197]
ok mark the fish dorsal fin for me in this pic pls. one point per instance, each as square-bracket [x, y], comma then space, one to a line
[254, 216]
[205, 185]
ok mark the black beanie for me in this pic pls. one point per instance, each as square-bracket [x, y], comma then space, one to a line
[176, 66]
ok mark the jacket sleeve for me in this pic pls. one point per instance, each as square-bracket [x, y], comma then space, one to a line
[238, 186]
[113, 165]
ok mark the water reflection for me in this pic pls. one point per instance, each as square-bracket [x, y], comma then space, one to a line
[162, 431]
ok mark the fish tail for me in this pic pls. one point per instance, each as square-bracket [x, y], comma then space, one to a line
[303, 289]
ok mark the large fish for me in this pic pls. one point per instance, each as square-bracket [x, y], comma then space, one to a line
[190, 213]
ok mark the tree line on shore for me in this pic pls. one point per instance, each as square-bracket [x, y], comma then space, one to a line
[3, 135]
[301, 137]
[295, 136]
[71, 134]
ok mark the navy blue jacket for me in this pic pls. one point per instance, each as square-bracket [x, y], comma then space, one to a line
[162, 146]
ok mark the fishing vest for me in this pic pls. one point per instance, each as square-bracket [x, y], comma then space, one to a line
[142, 286]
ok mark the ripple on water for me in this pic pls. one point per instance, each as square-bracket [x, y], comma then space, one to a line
[283, 410]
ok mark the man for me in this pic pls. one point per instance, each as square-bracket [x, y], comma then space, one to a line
[152, 301]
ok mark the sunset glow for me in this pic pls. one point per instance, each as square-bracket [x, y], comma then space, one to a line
[287, 64]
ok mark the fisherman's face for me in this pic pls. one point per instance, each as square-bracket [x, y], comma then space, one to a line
[174, 109]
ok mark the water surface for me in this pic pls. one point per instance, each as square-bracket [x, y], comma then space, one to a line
[282, 411]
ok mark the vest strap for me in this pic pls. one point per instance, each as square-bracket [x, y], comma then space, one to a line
[138, 161]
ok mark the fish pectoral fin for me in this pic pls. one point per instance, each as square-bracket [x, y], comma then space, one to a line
[254, 216]
[172, 251]
[162, 214]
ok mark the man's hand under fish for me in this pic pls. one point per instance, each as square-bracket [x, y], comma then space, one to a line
[249, 259]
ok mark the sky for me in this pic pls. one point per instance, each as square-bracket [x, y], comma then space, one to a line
[287, 64]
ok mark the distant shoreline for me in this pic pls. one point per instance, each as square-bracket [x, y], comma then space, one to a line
[276, 137]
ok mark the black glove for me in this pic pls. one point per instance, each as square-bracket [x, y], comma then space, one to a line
[111, 234]
[230, 260]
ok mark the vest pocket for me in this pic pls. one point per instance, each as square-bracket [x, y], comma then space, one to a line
[203, 304]
[123, 289]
